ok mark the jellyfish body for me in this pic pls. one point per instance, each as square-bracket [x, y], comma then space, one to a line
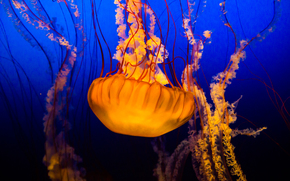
[135, 101]
[137, 108]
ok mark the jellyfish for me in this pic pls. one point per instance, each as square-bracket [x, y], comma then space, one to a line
[134, 101]
[174, 70]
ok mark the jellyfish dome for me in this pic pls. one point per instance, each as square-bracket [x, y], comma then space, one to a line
[137, 108]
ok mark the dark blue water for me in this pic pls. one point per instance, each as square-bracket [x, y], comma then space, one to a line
[30, 61]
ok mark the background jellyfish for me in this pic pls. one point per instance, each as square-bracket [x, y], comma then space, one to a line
[26, 78]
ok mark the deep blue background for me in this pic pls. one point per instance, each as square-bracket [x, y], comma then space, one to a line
[22, 102]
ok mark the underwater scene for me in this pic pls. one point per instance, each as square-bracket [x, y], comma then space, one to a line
[145, 90]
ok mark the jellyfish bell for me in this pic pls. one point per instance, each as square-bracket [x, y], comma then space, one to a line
[137, 108]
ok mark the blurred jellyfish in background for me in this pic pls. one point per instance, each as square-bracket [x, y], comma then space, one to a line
[51, 52]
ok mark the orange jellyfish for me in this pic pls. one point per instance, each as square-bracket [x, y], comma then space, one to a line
[134, 101]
